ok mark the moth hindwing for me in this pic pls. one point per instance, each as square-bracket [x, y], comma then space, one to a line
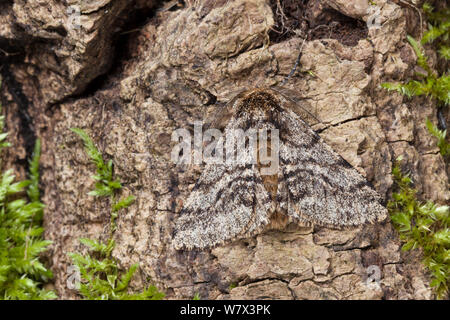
[279, 167]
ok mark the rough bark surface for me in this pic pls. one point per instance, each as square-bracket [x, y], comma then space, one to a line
[169, 64]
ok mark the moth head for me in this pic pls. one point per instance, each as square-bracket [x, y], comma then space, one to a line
[257, 100]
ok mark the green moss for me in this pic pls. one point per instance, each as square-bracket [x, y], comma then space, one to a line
[429, 83]
[22, 274]
[441, 135]
[424, 226]
[101, 278]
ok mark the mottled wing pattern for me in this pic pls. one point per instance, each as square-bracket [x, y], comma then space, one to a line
[227, 202]
[314, 184]
[317, 185]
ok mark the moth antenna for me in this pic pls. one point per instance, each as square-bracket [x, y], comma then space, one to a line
[297, 62]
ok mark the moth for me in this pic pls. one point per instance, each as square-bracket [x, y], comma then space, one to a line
[313, 185]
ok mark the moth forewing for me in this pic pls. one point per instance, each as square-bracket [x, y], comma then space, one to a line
[241, 146]
[296, 176]
[213, 146]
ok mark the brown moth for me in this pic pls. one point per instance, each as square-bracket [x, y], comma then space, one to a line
[312, 184]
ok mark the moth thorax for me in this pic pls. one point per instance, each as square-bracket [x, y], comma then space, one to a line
[259, 100]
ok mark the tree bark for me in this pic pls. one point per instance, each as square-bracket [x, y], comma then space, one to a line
[131, 72]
